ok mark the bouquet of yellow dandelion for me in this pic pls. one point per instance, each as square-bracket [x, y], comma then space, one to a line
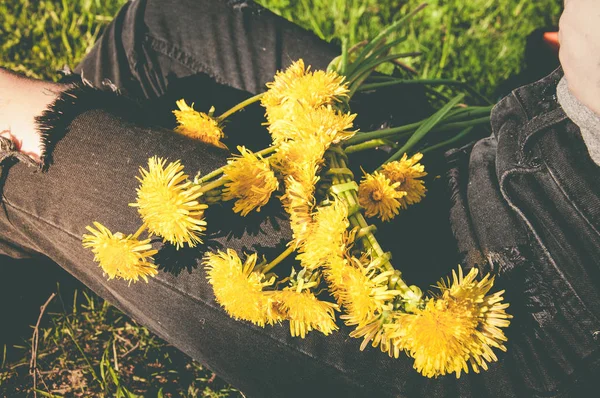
[455, 329]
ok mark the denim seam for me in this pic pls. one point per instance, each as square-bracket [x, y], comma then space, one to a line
[545, 250]
[519, 99]
[346, 374]
[536, 125]
[184, 58]
[523, 112]
[569, 199]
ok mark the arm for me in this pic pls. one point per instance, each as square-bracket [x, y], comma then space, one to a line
[580, 50]
[21, 100]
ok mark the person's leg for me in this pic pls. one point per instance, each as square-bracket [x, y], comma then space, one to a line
[91, 179]
[152, 43]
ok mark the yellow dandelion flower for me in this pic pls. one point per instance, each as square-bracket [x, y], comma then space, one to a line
[251, 182]
[334, 275]
[299, 84]
[379, 331]
[364, 293]
[120, 256]
[285, 111]
[379, 196]
[300, 163]
[168, 203]
[407, 171]
[456, 329]
[436, 337]
[298, 202]
[328, 237]
[317, 88]
[239, 289]
[324, 123]
[301, 160]
[488, 309]
[283, 80]
[306, 312]
[198, 125]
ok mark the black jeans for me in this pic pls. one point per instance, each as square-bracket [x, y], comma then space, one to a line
[216, 53]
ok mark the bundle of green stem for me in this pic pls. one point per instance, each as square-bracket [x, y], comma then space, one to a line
[309, 119]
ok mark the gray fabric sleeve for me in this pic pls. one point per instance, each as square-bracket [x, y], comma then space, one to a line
[587, 120]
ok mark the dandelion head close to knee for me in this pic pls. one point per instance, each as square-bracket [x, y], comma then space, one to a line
[457, 329]
[379, 196]
[120, 256]
[198, 125]
[169, 203]
[251, 182]
[239, 288]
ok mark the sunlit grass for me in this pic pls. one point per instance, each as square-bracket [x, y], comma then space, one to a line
[478, 41]
[91, 349]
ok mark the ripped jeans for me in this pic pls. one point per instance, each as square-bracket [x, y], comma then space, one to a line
[507, 212]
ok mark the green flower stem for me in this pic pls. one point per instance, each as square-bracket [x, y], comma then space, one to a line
[358, 77]
[357, 46]
[462, 125]
[368, 145]
[366, 236]
[357, 81]
[384, 133]
[433, 82]
[344, 65]
[371, 66]
[279, 259]
[468, 112]
[425, 128]
[214, 174]
[387, 82]
[381, 50]
[451, 141]
[393, 131]
[381, 37]
[265, 153]
[213, 185]
[240, 106]
[443, 128]
[451, 126]
[454, 115]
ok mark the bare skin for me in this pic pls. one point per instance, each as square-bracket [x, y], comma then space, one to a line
[579, 37]
[21, 100]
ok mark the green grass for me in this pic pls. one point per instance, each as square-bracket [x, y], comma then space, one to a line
[39, 37]
[92, 349]
[480, 42]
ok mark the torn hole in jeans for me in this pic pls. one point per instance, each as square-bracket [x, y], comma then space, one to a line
[10, 150]
[54, 123]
